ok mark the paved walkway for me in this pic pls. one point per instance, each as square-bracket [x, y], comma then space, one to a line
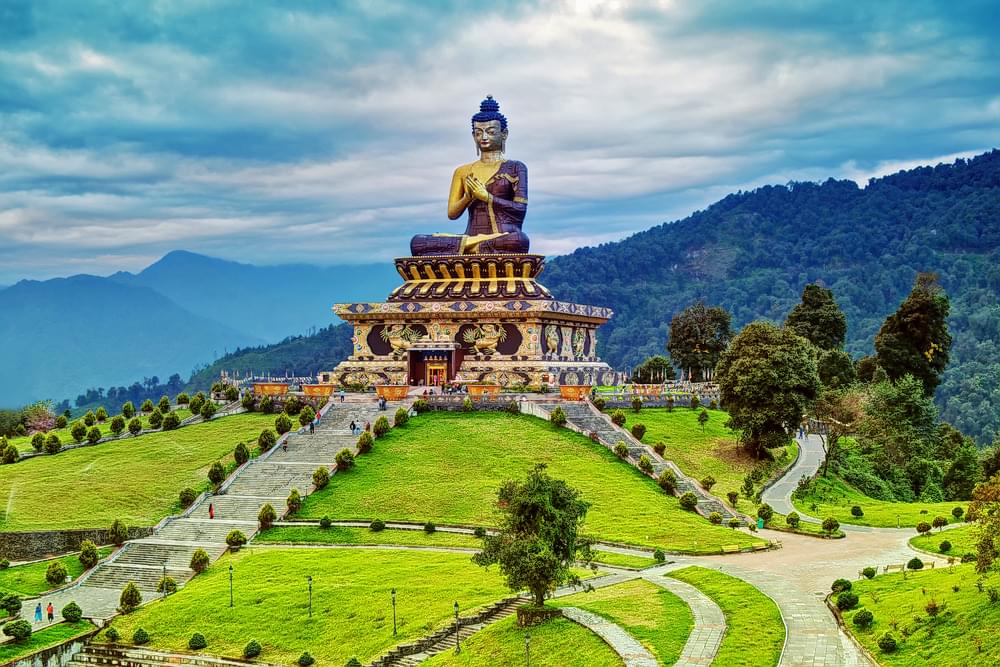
[709, 622]
[779, 494]
[632, 653]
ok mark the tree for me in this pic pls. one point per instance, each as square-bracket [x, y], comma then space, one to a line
[130, 597]
[135, 426]
[216, 473]
[818, 318]
[703, 419]
[306, 415]
[118, 532]
[94, 435]
[835, 368]
[208, 409]
[18, 631]
[241, 454]
[128, 410]
[52, 444]
[831, 525]
[199, 560]
[147, 406]
[101, 414]
[170, 421]
[840, 411]
[88, 554]
[78, 431]
[282, 424]
[267, 516]
[915, 339]
[155, 418]
[698, 335]
[266, 440]
[164, 404]
[90, 418]
[294, 501]
[985, 511]
[56, 573]
[536, 543]
[767, 380]
[964, 472]
[653, 370]
[117, 424]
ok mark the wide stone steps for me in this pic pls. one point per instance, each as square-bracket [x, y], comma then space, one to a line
[203, 530]
[271, 479]
[156, 555]
[106, 655]
[146, 578]
[231, 507]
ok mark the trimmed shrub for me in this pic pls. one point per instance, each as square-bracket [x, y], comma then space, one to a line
[381, 426]
[513, 408]
[402, 416]
[695, 403]
[94, 435]
[166, 585]
[557, 417]
[90, 418]
[236, 538]
[164, 404]
[135, 426]
[197, 642]
[923, 527]
[183, 398]
[52, 444]
[11, 602]
[282, 424]
[78, 431]
[101, 414]
[708, 482]
[216, 474]
[636, 404]
[365, 442]
[638, 430]
[187, 496]
[667, 481]
[377, 526]
[689, 501]
[621, 450]
[429, 528]
[325, 522]
[468, 405]
[831, 525]
[599, 403]
[37, 441]
[618, 417]
[715, 518]
[863, 619]
[112, 635]
[939, 522]
[147, 406]
[479, 532]
[241, 454]
[944, 547]
[170, 422]
[305, 660]
[846, 600]
[306, 415]
[266, 516]
[733, 497]
[140, 637]
[199, 561]
[55, 573]
[18, 631]
[344, 460]
[293, 501]
[247, 402]
[840, 585]
[10, 455]
[793, 520]
[118, 533]
[915, 564]
[267, 405]
[645, 464]
[658, 555]
[869, 572]
[232, 392]
[660, 448]
[128, 409]
[155, 419]
[420, 406]
[196, 404]
[208, 410]
[293, 405]
[766, 513]
[734, 523]
[266, 440]
[130, 598]
[61, 421]
[252, 649]
[88, 554]
[957, 513]
[117, 425]
[72, 612]
[887, 643]
[856, 511]
[321, 477]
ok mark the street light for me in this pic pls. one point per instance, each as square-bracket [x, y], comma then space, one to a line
[527, 649]
[163, 581]
[393, 591]
[458, 647]
[230, 585]
[310, 579]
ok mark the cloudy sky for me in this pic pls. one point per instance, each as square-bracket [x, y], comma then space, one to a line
[327, 131]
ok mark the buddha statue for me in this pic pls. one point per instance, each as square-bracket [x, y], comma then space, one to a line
[494, 191]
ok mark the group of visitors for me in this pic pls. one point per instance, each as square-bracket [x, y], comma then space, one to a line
[49, 610]
[356, 428]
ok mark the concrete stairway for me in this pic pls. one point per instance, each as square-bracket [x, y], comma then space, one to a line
[110, 655]
[586, 418]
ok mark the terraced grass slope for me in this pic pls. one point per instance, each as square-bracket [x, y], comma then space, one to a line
[351, 604]
[29, 579]
[23, 443]
[962, 633]
[832, 496]
[962, 540]
[136, 480]
[446, 467]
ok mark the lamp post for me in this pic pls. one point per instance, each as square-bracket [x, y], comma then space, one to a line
[458, 647]
[310, 579]
[230, 585]
[393, 592]
[527, 649]
[163, 581]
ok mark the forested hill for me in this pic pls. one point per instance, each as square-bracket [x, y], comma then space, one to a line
[753, 252]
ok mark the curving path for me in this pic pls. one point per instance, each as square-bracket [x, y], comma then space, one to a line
[779, 494]
[709, 621]
[632, 653]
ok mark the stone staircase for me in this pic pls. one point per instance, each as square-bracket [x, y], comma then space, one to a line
[407, 655]
[586, 418]
[110, 655]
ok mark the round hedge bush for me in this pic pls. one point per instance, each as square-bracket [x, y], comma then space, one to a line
[863, 618]
[377, 526]
[305, 660]
[72, 612]
[915, 564]
[715, 518]
[840, 585]
[252, 649]
[887, 643]
[847, 600]
[197, 642]
[945, 546]
[56, 573]
[140, 637]
[689, 501]
[857, 512]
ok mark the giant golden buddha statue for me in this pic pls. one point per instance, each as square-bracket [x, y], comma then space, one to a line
[494, 191]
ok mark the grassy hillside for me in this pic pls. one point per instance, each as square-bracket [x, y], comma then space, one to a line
[446, 467]
[23, 443]
[135, 479]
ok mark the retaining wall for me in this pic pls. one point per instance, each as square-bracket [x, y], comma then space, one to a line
[40, 544]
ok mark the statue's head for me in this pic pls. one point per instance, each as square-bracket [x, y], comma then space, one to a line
[489, 126]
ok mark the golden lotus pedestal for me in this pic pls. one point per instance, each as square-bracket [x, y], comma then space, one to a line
[474, 320]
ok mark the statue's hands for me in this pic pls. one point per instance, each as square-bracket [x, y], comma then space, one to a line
[475, 188]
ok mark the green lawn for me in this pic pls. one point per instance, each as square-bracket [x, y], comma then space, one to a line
[558, 642]
[699, 453]
[446, 467]
[805, 528]
[50, 636]
[964, 633]
[621, 560]
[963, 541]
[832, 496]
[23, 443]
[352, 611]
[136, 480]
[755, 633]
[341, 535]
[660, 620]
[29, 579]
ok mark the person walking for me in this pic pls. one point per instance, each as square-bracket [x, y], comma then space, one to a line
[342, 395]
[368, 426]
[312, 427]
[50, 610]
[354, 428]
[211, 511]
[38, 613]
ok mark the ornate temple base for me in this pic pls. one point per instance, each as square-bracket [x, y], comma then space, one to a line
[470, 277]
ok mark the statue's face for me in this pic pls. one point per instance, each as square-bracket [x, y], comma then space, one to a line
[488, 135]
